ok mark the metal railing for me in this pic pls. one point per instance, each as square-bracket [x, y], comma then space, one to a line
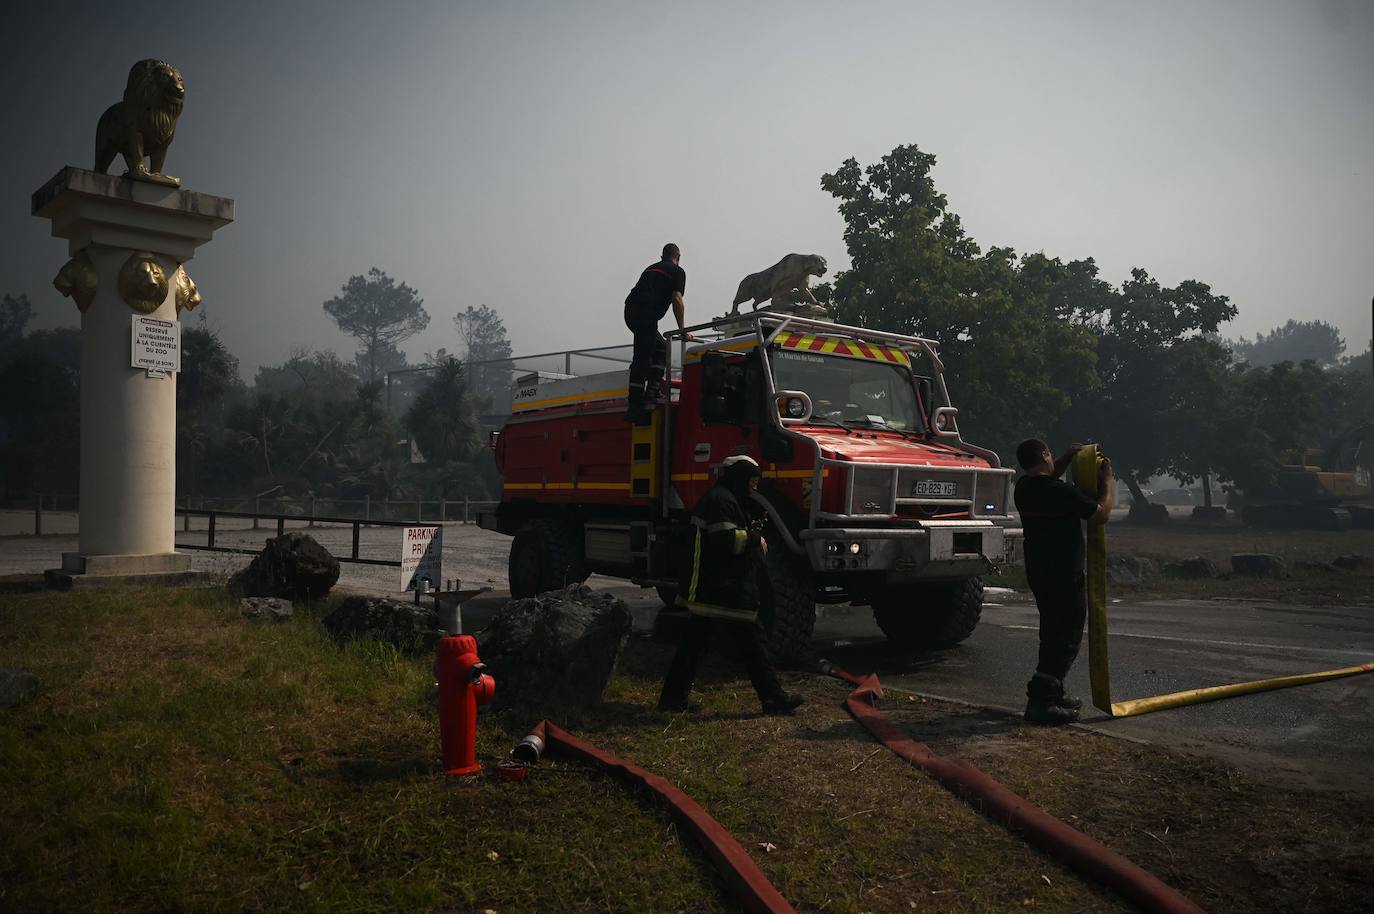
[281, 520]
[313, 511]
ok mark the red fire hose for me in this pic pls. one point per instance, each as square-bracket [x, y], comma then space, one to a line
[1068, 845]
[746, 880]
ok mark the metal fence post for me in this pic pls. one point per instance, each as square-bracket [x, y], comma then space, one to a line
[466, 502]
[257, 509]
[186, 517]
[38, 516]
[210, 538]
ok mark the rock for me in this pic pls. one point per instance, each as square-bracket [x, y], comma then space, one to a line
[1197, 567]
[265, 609]
[1305, 565]
[1202, 514]
[1129, 569]
[1349, 562]
[412, 628]
[16, 687]
[293, 566]
[557, 648]
[1148, 513]
[1257, 565]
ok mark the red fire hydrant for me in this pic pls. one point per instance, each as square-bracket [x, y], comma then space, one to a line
[463, 685]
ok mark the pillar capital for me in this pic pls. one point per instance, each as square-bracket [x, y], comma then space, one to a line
[88, 208]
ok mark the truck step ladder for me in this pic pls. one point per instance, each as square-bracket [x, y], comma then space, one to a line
[644, 466]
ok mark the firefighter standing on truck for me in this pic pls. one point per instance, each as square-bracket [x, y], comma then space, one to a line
[1052, 514]
[720, 591]
[660, 286]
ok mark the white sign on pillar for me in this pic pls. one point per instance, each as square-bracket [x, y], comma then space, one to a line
[155, 345]
[422, 551]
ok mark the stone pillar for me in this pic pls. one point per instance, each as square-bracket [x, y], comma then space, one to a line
[128, 240]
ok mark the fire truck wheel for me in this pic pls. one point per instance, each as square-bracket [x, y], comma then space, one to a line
[544, 556]
[794, 601]
[929, 615]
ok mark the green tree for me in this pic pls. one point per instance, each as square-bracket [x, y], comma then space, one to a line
[1296, 341]
[1205, 418]
[381, 313]
[1013, 358]
[208, 373]
[40, 430]
[442, 420]
[309, 374]
[484, 340]
[1131, 412]
[15, 312]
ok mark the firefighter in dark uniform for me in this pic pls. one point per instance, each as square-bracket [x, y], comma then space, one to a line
[660, 287]
[1052, 515]
[718, 588]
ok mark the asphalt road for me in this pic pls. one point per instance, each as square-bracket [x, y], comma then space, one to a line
[1320, 734]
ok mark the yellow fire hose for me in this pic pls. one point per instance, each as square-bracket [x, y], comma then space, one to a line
[1086, 465]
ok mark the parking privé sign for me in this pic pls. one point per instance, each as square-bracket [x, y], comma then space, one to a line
[422, 550]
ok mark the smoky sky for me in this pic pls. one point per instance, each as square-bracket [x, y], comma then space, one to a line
[535, 156]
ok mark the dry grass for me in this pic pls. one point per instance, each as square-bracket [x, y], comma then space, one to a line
[178, 758]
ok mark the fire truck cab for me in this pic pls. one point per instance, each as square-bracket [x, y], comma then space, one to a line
[870, 494]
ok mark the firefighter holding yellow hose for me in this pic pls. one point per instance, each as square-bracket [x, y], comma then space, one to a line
[1052, 515]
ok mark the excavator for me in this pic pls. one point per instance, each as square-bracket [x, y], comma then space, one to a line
[1320, 488]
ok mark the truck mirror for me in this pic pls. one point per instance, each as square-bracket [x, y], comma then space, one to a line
[925, 392]
[944, 421]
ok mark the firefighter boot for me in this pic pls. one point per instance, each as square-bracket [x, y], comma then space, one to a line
[636, 408]
[783, 703]
[1046, 702]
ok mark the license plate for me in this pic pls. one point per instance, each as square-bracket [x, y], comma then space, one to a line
[934, 487]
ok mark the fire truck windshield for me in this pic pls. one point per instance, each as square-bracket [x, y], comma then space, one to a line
[853, 391]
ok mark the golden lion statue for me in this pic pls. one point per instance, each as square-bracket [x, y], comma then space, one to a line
[792, 272]
[144, 123]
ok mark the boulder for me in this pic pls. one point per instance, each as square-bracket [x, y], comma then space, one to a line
[413, 628]
[557, 648]
[1132, 570]
[1203, 514]
[16, 687]
[1349, 562]
[293, 566]
[1197, 567]
[1319, 567]
[1148, 513]
[1257, 565]
[265, 609]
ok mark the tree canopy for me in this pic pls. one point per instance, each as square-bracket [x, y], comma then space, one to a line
[484, 340]
[1295, 341]
[381, 313]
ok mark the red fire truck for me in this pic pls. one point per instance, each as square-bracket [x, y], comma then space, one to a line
[870, 494]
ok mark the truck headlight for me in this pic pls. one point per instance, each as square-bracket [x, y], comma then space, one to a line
[991, 495]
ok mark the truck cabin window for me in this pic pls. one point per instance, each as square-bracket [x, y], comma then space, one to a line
[855, 392]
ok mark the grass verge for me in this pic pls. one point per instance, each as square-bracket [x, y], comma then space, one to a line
[178, 758]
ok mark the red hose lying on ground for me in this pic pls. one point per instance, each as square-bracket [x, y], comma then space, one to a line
[1066, 844]
[746, 880]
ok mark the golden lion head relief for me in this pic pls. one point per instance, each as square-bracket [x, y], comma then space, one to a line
[143, 123]
[143, 282]
[188, 296]
[77, 280]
